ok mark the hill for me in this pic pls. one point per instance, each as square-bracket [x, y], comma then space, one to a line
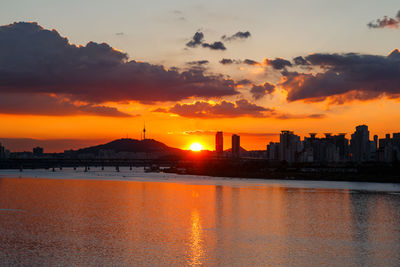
[132, 146]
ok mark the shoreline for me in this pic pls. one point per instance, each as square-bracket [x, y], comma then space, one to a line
[137, 175]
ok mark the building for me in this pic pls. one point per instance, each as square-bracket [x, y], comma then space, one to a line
[219, 143]
[360, 145]
[235, 145]
[290, 145]
[2, 152]
[273, 150]
[38, 151]
[331, 148]
[389, 148]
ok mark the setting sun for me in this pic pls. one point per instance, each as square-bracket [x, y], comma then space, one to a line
[196, 147]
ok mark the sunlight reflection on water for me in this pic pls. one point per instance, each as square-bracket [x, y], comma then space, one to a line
[124, 223]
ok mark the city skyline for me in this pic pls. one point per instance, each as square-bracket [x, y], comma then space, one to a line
[291, 148]
[194, 68]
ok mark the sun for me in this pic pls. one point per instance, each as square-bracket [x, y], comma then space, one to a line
[196, 147]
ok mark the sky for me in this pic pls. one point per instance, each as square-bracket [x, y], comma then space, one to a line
[94, 71]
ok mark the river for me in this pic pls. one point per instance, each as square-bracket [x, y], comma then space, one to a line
[64, 219]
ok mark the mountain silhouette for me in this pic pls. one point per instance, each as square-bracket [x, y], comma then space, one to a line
[131, 145]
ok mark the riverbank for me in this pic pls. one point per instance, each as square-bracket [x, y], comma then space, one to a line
[138, 175]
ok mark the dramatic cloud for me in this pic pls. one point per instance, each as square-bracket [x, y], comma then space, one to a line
[236, 36]
[227, 61]
[259, 91]
[226, 109]
[277, 63]
[300, 61]
[215, 46]
[385, 22]
[37, 61]
[39, 104]
[345, 77]
[198, 39]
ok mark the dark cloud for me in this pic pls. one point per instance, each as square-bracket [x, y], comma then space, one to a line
[345, 77]
[226, 109]
[198, 62]
[259, 91]
[34, 60]
[214, 46]
[250, 62]
[227, 61]
[197, 40]
[385, 22]
[243, 82]
[277, 63]
[236, 36]
[300, 61]
[41, 104]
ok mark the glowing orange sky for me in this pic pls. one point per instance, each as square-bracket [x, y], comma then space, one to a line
[159, 41]
[380, 115]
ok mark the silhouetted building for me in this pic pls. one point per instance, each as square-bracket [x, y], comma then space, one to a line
[2, 152]
[273, 151]
[219, 143]
[332, 148]
[389, 148]
[38, 151]
[290, 145]
[360, 145]
[235, 145]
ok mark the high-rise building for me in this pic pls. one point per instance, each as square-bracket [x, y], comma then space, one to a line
[389, 148]
[2, 152]
[273, 151]
[235, 145]
[289, 146]
[332, 148]
[360, 145]
[219, 143]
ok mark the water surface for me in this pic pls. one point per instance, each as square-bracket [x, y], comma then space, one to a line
[125, 223]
